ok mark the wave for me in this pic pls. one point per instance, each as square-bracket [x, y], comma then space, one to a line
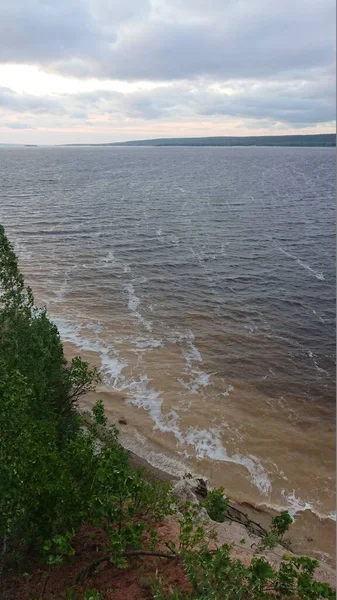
[133, 303]
[296, 505]
[207, 442]
[111, 365]
[317, 274]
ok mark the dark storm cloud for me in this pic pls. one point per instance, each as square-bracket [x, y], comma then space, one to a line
[168, 39]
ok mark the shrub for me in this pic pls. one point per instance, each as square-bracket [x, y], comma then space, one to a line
[279, 526]
[216, 505]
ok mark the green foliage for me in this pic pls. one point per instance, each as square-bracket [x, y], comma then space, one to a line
[92, 595]
[31, 347]
[99, 414]
[279, 526]
[58, 547]
[192, 532]
[215, 575]
[281, 523]
[216, 505]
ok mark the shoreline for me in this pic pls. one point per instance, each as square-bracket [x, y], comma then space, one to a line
[260, 515]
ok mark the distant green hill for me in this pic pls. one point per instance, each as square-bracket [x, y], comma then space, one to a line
[321, 139]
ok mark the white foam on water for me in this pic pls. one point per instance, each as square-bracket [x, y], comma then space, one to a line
[200, 379]
[296, 505]
[109, 259]
[64, 287]
[319, 316]
[133, 304]
[134, 301]
[111, 365]
[139, 279]
[191, 354]
[143, 396]
[207, 443]
[159, 232]
[228, 390]
[317, 367]
[317, 274]
[142, 343]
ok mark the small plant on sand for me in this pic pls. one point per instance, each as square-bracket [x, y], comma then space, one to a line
[216, 505]
[279, 526]
[99, 413]
[281, 523]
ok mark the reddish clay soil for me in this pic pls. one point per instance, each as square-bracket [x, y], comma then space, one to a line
[35, 581]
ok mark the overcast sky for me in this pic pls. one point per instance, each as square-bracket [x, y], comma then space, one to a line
[109, 70]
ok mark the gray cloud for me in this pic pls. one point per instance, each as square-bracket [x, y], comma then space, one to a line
[260, 61]
[27, 103]
[294, 103]
[14, 125]
[169, 39]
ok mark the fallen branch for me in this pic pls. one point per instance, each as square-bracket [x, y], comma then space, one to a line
[247, 522]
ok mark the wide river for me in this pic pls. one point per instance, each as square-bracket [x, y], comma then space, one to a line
[202, 282]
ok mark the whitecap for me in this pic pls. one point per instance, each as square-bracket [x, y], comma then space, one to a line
[109, 259]
[317, 367]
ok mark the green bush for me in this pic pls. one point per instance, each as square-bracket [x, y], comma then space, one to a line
[215, 575]
[216, 505]
[279, 526]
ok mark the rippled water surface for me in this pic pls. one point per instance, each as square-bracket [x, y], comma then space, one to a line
[202, 281]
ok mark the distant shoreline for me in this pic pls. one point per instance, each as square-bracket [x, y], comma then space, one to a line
[315, 140]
